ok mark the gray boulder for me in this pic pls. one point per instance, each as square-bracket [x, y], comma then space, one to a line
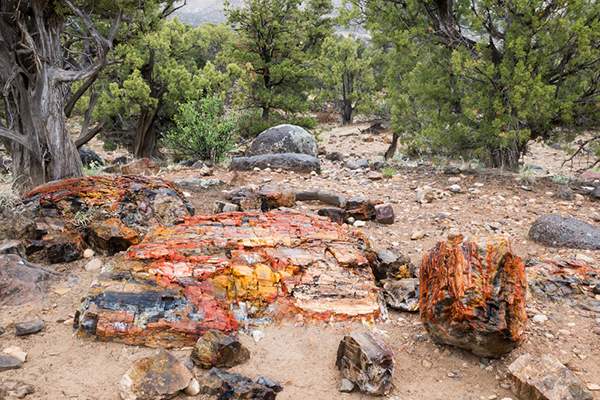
[289, 162]
[284, 139]
[556, 231]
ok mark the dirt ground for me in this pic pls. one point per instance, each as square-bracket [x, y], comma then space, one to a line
[61, 365]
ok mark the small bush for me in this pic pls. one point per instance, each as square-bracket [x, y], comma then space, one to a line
[304, 122]
[203, 129]
[388, 172]
[560, 179]
[93, 169]
[8, 199]
[109, 145]
[527, 175]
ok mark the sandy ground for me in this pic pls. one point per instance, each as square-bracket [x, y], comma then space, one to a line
[61, 365]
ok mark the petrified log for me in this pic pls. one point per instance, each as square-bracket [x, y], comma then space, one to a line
[56, 217]
[234, 386]
[160, 376]
[473, 295]
[215, 270]
[278, 196]
[361, 208]
[557, 280]
[545, 378]
[394, 264]
[365, 360]
[336, 215]
[215, 349]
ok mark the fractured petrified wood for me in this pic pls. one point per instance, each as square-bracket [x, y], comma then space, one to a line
[211, 270]
[234, 386]
[545, 378]
[365, 360]
[215, 349]
[22, 282]
[473, 295]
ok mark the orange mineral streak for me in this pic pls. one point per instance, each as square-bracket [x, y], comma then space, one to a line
[183, 280]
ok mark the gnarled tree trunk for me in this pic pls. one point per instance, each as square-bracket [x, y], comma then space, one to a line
[35, 81]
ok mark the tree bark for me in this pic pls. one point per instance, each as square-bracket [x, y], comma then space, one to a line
[35, 84]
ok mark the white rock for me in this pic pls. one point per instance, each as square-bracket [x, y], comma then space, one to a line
[585, 259]
[455, 188]
[193, 388]
[358, 224]
[257, 335]
[88, 253]
[16, 353]
[540, 318]
[416, 235]
[593, 386]
[94, 264]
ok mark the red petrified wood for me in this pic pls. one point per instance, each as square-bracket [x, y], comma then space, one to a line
[473, 295]
[216, 271]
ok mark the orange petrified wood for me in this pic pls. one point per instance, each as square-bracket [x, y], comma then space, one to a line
[219, 271]
[473, 295]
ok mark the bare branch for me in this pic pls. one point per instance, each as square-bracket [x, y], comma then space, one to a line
[15, 137]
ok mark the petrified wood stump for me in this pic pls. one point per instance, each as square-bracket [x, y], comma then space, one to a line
[366, 361]
[213, 271]
[473, 295]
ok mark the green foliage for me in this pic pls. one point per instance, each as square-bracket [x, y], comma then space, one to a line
[484, 78]
[203, 130]
[347, 70]
[560, 179]
[527, 174]
[305, 122]
[274, 45]
[109, 145]
[93, 169]
[174, 63]
[388, 172]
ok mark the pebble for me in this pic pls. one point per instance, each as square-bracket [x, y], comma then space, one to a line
[539, 318]
[88, 253]
[16, 352]
[596, 330]
[593, 386]
[27, 328]
[2, 330]
[7, 362]
[427, 364]
[347, 386]
[564, 332]
[358, 224]
[455, 188]
[585, 259]
[94, 265]
[257, 335]
[193, 388]
[492, 397]
[416, 235]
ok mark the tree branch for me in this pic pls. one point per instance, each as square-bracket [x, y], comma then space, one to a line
[15, 137]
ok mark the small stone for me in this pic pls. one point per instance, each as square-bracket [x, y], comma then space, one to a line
[585, 259]
[596, 330]
[16, 389]
[593, 386]
[94, 264]
[27, 328]
[359, 224]
[257, 335]
[88, 253]
[540, 318]
[273, 385]
[7, 362]
[16, 352]
[223, 207]
[564, 332]
[492, 397]
[375, 175]
[384, 213]
[427, 364]
[454, 179]
[455, 189]
[596, 289]
[193, 388]
[350, 220]
[347, 386]
[215, 349]
[416, 235]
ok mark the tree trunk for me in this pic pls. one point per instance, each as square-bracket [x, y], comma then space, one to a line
[505, 157]
[348, 112]
[35, 84]
[393, 146]
[145, 139]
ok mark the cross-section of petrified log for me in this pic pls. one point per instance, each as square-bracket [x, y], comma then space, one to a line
[213, 271]
[473, 295]
[368, 362]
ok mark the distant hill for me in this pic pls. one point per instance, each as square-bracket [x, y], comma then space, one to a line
[197, 12]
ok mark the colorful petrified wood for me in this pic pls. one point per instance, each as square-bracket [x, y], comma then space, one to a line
[473, 295]
[59, 220]
[215, 271]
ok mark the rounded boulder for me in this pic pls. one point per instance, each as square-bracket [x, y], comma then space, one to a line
[283, 139]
